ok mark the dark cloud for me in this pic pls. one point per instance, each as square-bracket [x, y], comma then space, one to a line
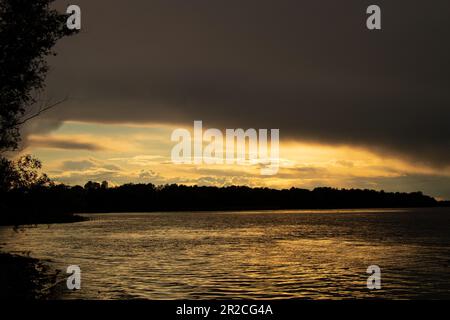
[148, 174]
[303, 172]
[78, 165]
[310, 68]
[61, 143]
[345, 163]
[81, 165]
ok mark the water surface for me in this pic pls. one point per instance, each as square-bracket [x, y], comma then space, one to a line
[316, 254]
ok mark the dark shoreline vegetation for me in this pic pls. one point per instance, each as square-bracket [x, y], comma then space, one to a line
[24, 277]
[61, 203]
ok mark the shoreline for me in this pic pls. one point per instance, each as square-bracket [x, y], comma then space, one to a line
[27, 278]
[249, 210]
[17, 221]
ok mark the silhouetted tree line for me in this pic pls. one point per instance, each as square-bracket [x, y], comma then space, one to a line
[28, 32]
[95, 197]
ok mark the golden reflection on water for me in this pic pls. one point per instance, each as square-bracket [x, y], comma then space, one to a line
[256, 255]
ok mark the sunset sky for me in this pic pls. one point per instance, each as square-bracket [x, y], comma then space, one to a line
[355, 108]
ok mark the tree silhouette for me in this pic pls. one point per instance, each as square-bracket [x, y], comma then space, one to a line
[24, 173]
[28, 32]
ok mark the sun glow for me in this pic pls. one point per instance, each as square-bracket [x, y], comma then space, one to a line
[142, 154]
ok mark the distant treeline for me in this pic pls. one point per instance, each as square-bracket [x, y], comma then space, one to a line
[95, 197]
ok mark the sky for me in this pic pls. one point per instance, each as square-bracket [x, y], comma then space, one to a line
[355, 108]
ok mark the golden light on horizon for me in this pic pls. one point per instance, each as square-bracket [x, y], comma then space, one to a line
[118, 153]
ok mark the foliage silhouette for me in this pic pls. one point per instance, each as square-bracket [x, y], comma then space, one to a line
[57, 200]
[28, 32]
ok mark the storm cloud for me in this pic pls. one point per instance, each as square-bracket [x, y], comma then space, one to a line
[310, 68]
[63, 143]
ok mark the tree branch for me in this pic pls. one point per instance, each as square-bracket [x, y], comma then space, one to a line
[41, 110]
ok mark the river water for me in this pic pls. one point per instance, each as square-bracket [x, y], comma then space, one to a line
[315, 254]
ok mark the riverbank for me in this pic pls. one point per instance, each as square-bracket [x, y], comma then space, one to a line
[23, 277]
[26, 278]
[20, 219]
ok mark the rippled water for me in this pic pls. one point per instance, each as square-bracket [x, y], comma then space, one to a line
[266, 254]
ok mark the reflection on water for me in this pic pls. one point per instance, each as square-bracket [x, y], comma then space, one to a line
[282, 254]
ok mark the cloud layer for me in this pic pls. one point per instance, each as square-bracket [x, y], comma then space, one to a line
[310, 68]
